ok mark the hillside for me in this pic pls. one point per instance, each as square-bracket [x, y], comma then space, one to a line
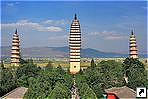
[59, 52]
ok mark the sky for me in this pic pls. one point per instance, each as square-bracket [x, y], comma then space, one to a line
[105, 26]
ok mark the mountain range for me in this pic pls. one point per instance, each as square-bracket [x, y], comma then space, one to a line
[60, 52]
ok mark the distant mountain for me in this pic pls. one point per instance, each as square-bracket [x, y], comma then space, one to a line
[60, 52]
[95, 53]
[5, 51]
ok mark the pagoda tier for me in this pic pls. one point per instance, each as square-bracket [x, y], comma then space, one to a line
[75, 46]
[15, 50]
[133, 46]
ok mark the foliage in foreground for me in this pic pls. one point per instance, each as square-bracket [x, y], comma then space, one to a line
[7, 81]
[136, 73]
[50, 82]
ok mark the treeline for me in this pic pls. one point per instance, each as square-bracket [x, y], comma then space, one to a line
[107, 74]
[7, 80]
[52, 83]
[47, 82]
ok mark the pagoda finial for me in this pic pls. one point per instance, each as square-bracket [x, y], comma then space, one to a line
[16, 31]
[75, 17]
[132, 32]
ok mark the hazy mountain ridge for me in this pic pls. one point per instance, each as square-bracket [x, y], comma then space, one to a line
[60, 52]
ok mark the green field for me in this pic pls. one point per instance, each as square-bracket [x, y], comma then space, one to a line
[85, 62]
[56, 64]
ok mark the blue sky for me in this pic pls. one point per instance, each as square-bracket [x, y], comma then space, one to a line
[105, 26]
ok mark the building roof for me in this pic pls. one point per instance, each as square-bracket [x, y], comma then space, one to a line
[17, 93]
[122, 92]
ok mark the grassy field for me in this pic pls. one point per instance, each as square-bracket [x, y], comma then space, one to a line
[62, 64]
[56, 64]
[85, 62]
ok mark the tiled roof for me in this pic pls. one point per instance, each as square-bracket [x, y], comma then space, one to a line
[122, 92]
[17, 93]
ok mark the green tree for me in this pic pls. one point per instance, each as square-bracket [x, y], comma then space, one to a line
[24, 72]
[93, 65]
[127, 63]
[29, 61]
[112, 73]
[136, 73]
[22, 61]
[23, 81]
[60, 70]
[60, 91]
[46, 83]
[39, 87]
[49, 66]
[94, 79]
[2, 65]
[28, 69]
[97, 88]
[86, 92]
[81, 71]
[7, 81]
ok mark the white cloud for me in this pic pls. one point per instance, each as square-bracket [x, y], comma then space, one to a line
[55, 22]
[32, 25]
[49, 29]
[58, 40]
[109, 35]
[116, 37]
[48, 21]
[104, 33]
[12, 4]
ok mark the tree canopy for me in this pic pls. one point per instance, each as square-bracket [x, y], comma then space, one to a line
[7, 81]
[136, 73]
[53, 82]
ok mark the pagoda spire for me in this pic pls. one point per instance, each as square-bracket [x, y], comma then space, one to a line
[16, 31]
[75, 17]
[132, 29]
[132, 32]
